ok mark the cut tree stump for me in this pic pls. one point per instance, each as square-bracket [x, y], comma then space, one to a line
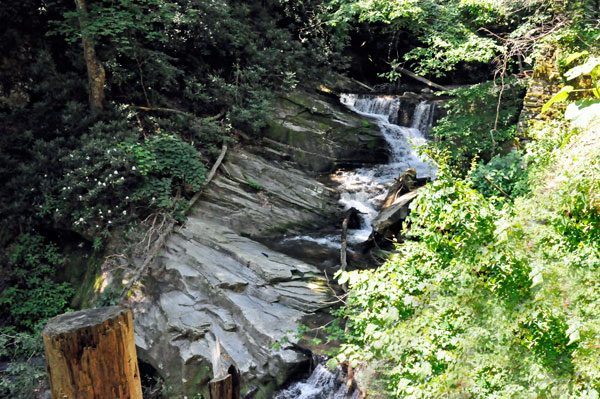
[90, 354]
[221, 387]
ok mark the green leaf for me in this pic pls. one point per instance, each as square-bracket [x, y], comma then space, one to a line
[583, 69]
[560, 96]
[574, 56]
[343, 278]
[332, 363]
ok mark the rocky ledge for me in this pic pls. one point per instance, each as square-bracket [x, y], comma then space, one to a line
[216, 297]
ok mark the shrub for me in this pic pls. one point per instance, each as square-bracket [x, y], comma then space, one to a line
[469, 128]
[33, 296]
[502, 175]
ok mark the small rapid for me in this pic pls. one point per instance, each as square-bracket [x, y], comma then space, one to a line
[322, 384]
[366, 188]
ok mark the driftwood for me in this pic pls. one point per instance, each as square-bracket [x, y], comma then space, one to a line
[363, 85]
[91, 354]
[160, 241]
[421, 79]
[343, 253]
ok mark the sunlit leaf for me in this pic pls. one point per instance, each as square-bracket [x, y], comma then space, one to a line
[582, 112]
[583, 69]
[574, 56]
[562, 95]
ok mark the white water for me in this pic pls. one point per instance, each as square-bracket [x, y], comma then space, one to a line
[322, 384]
[366, 188]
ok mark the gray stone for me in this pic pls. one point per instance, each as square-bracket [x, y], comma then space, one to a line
[319, 133]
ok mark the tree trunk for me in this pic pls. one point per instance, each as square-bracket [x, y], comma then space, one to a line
[221, 388]
[90, 354]
[96, 75]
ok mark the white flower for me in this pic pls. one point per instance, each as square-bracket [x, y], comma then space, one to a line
[109, 222]
[80, 220]
[116, 173]
[133, 168]
[127, 197]
[124, 212]
[109, 212]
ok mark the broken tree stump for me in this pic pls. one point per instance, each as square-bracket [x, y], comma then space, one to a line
[221, 387]
[90, 354]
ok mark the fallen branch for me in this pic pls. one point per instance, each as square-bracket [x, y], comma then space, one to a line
[162, 238]
[210, 176]
[497, 187]
[176, 111]
[421, 79]
[363, 85]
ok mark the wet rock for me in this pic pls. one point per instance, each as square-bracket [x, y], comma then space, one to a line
[212, 285]
[215, 286]
[320, 134]
[258, 198]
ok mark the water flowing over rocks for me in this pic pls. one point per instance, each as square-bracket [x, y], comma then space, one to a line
[319, 133]
[216, 289]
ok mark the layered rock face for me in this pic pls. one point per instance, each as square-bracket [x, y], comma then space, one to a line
[215, 297]
[320, 134]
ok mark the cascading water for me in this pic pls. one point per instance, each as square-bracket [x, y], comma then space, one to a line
[365, 189]
[322, 384]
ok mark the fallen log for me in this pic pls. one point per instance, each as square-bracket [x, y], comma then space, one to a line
[421, 79]
[160, 241]
[90, 354]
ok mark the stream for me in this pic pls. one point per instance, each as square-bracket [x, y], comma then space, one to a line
[365, 189]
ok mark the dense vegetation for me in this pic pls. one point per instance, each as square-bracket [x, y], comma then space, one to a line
[493, 294]
[96, 139]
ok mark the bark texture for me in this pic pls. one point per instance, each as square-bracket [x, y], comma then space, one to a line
[96, 74]
[91, 354]
[221, 388]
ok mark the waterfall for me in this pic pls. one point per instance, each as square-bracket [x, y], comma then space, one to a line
[365, 189]
[322, 384]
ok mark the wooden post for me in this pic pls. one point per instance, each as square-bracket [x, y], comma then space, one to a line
[91, 355]
[221, 387]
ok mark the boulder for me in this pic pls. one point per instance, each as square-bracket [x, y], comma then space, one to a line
[213, 288]
[259, 198]
[319, 133]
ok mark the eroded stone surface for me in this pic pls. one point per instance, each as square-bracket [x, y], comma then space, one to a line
[214, 284]
[238, 292]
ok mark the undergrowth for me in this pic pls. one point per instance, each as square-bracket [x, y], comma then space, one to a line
[489, 297]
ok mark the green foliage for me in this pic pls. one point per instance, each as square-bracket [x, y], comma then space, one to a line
[469, 129]
[502, 175]
[445, 37]
[484, 300]
[447, 34]
[33, 296]
[255, 185]
[23, 378]
[583, 111]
